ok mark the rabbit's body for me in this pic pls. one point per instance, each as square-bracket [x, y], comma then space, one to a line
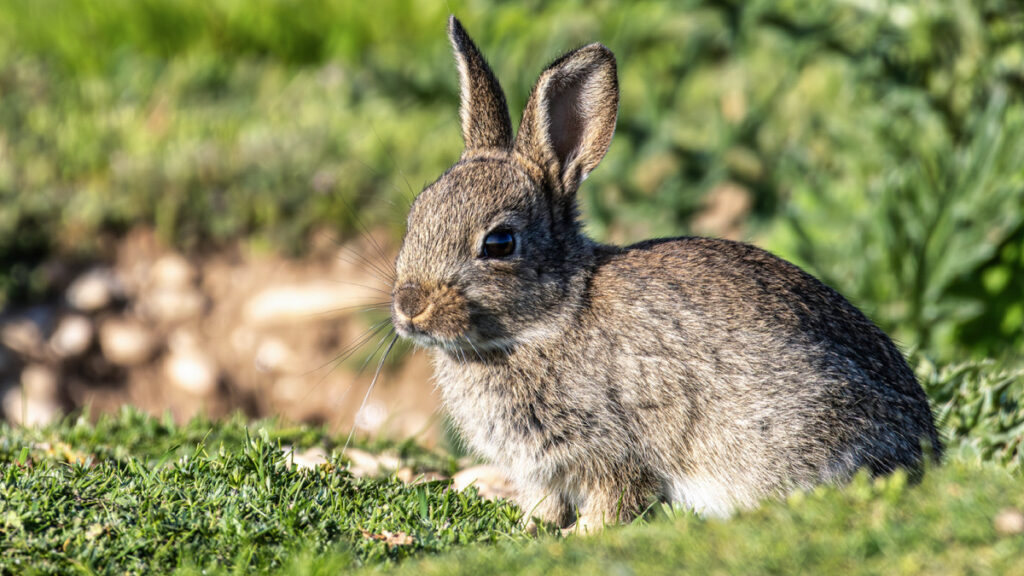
[761, 365]
[692, 370]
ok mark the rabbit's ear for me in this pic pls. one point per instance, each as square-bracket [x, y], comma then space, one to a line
[484, 114]
[570, 117]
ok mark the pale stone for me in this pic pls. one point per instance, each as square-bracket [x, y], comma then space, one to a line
[21, 409]
[40, 382]
[371, 416]
[310, 458]
[94, 290]
[126, 342]
[173, 271]
[290, 389]
[72, 337]
[1009, 522]
[173, 305]
[407, 475]
[23, 335]
[363, 463]
[192, 371]
[305, 303]
[275, 356]
[243, 340]
[489, 481]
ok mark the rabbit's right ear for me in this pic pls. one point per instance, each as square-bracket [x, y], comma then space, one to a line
[570, 117]
[484, 114]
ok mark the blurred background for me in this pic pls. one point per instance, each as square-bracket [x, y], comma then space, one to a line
[198, 198]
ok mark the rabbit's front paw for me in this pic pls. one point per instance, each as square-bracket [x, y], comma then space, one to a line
[541, 510]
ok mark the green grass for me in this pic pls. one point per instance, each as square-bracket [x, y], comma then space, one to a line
[133, 493]
[942, 526]
[84, 498]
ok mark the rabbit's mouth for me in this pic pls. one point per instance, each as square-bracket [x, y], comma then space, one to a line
[464, 346]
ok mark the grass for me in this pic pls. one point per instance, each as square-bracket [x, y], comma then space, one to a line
[942, 526]
[100, 499]
[136, 494]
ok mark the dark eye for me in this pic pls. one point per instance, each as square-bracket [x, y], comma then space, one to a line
[498, 244]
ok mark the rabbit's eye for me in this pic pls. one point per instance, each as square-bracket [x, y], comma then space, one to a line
[498, 244]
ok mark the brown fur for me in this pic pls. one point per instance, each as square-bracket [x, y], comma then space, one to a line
[695, 370]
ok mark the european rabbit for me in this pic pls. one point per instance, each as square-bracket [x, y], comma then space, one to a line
[693, 370]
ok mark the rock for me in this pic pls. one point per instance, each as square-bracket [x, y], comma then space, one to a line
[40, 383]
[21, 409]
[305, 302]
[489, 481]
[172, 305]
[362, 463]
[189, 368]
[371, 416]
[275, 356]
[72, 337]
[173, 271]
[407, 475]
[310, 458]
[23, 335]
[1009, 522]
[94, 290]
[126, 342]
[288, 390]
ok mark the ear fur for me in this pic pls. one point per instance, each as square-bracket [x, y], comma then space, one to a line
[570, 117]
[483, 111]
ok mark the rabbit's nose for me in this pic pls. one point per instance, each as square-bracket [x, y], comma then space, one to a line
[410, 301]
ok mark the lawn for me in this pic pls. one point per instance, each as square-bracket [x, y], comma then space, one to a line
[135, 494]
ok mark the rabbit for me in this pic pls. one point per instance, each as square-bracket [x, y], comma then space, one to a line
[701, 372]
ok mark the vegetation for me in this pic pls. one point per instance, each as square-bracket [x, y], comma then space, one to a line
[135, 494]
[138, 495]
[876, 143]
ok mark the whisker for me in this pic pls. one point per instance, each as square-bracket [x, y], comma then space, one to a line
[376, 349]
[358, 285]
[367, 265]
[380, 176]
[470, 342]
[369, 237]
[373, 382]
[393, 162]
[360, 340]
[383, 270]
[366, 307]
[345, 354]
[358, 372]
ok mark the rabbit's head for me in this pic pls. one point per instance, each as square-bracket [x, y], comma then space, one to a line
[493, 253]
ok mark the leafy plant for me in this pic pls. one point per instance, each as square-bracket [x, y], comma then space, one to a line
[980, 408]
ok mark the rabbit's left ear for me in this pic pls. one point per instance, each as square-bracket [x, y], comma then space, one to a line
[484, 114]
[570, 117]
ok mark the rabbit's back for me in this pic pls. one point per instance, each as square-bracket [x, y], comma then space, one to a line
[773, 373]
